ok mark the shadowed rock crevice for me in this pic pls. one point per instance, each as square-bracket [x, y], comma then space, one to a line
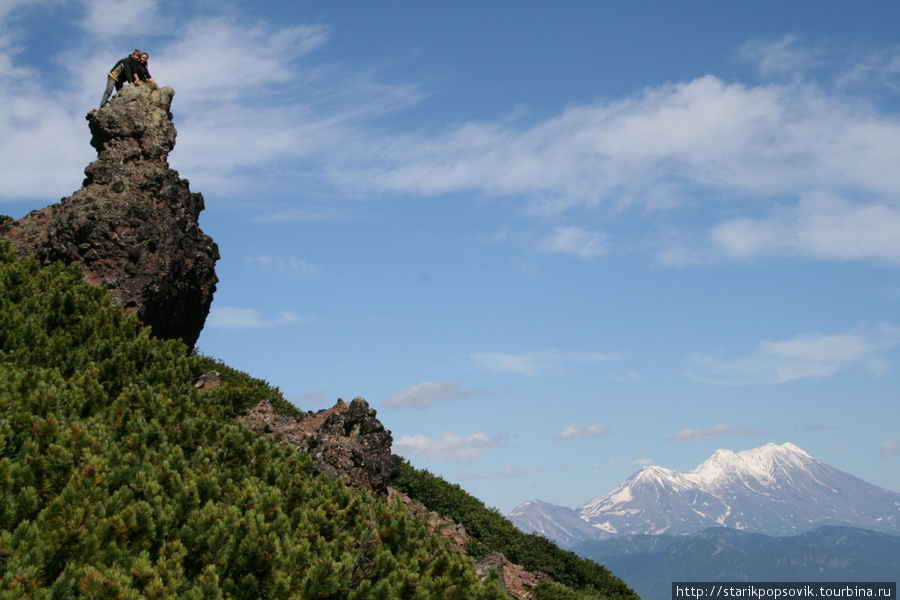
[133, 226]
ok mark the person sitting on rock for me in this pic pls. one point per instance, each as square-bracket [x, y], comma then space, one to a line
[143, 74]
[124, 71]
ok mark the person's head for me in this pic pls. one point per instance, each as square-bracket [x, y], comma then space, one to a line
[136, 53]
[144, 57]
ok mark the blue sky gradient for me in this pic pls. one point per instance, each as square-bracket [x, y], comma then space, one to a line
[549, 242]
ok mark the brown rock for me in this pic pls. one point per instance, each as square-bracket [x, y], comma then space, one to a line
[345, 441]
[209, 380]
[133, 225]
[513, 579]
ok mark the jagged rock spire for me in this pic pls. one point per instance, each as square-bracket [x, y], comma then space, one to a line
[133, 224]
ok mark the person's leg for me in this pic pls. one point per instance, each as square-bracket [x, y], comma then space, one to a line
[110, 84]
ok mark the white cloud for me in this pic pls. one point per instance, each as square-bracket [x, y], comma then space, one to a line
[781, 56]
[575, 430]
[641, 461]
[235, 59]
[651, 149]
[891, 447]
[574, 241]
[105, 19]
[819, 227]
[425, 394]
[232, 317]
[608, 463]
[452, 447]
[692, 435]
[534, 363]
[813, 356]
[255, 107]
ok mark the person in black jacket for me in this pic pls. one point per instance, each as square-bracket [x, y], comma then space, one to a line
[143, 73]
[124, 71]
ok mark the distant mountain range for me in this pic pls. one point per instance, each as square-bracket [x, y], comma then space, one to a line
[772, 490]
[650, 563]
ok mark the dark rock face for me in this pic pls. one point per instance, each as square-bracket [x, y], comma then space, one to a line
[133, 225]
[345, 441]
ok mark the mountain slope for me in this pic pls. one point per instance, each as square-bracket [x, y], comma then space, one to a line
[559, 523]
[118, 480]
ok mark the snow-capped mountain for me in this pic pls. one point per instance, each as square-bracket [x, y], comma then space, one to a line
[564, 525]
[775, 490]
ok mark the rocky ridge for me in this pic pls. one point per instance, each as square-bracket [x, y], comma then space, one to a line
[348, 442]
[133, 226]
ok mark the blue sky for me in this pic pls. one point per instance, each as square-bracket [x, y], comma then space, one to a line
[549, 242]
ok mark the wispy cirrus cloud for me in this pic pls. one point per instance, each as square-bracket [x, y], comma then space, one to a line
[534, 363]
[453, 447]
[785, 55]
[575, 241]
[808, 356]
[233, 317]
[703, 433]
[425, 394]
[575, 430]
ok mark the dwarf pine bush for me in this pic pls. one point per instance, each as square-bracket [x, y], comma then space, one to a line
[119, 481]
[492, 532]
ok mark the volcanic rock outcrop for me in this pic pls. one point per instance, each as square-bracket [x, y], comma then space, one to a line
[133, 225]
[346, 441]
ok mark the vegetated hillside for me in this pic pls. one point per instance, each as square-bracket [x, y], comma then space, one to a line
[119, 480]
[492, 532]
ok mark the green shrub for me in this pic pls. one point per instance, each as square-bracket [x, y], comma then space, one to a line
[492, 532]
[119, 480]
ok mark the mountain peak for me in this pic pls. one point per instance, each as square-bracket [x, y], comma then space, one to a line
[774, 489]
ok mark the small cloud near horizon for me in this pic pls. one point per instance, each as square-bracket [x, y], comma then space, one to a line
[693, 435]
[427, 393]
[534, 363]
[891, 448]
[575, 430]
[805, 356]
[453, 447]
[233, 317]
